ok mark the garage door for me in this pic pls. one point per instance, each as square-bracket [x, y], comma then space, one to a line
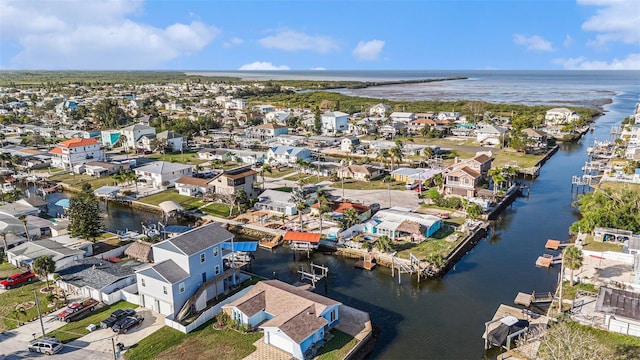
[281, 342]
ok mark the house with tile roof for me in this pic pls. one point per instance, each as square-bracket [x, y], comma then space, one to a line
[187, 272]
[75, 152]
[161, 174]
[292, 318]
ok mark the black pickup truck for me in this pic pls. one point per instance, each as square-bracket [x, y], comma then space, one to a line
[115, 316]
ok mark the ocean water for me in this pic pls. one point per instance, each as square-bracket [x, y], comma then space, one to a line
[556, 88]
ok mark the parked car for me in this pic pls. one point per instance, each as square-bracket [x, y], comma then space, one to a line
[421, 188]
[123, 325]
[78, 310]
[115, 316]
[410, 186]
[374, 207]
[45, 345]
[17, 279]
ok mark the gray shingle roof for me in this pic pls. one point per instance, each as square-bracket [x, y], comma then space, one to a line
[198, 239]
[45, 247]
[167, 271]
[82, 273]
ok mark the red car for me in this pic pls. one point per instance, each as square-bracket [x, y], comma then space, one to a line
[16, 279]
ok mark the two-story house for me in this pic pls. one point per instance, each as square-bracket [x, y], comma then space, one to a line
[162, 174]
[379, 110]
[230, 181]
[349, 144]
[559, 116]
[334, 122]
[463, 178]
[131, 135]
[288, 155]
[403, 117]
[172, 140]
[187, 272]
[266, 131]
[78, 151]
[293, 319]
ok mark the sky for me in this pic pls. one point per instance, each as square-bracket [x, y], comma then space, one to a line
[319, 34]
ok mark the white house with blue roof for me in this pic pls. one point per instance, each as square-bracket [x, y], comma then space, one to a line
[188, 271]
[288, 155]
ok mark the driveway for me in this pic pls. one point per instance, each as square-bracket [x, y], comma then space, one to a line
[96, 345]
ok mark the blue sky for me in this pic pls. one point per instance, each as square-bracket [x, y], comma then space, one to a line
[305, 34]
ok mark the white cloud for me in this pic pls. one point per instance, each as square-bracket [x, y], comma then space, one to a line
[533, 43]
[567, 41]
[263, 65]
[368, 50]
[94, 35]
[291, 40]
[234, 41]
[614, 21]
[631, 62]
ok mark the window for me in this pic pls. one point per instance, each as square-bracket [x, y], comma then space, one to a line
[181, 287]
[202, 258]
[215, 251]
[333, 315]
[466, 180]
[142, 282]
[164, 290]
[217, 269]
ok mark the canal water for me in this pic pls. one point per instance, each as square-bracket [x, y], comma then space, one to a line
[444, 319]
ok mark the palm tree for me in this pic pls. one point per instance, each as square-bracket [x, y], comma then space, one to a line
[265, 169]
[396, 154]
[383, 157]
[496, 175]
[383, 244]
[23, 218]
[324, 205]
[436, 260]
[299, 198]
[43, 266]
[572, 259]
[131, 175]
[351, 217]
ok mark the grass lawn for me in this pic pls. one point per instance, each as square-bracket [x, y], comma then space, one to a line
[7, 269]
[569, 292]
[284, 189]
[10, 299]
[186, 158]
[590, 244]
[367, 185]
[218, 209]
[77, 329]
[186, 202]
[617, 186]
[509, 156]
[78, 180]
[338, 347]
[277, 174]
[436, 244]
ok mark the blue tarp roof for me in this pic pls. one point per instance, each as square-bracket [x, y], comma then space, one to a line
[245, 246]
[63, 202]
[178, 229]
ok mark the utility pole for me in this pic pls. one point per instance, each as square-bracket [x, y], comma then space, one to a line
[35, 294]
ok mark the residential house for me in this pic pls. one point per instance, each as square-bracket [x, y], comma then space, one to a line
[359, 172]
[403, 224]
[172, 140]
[190, 186]
[338, 208]
[537, 137]
[402, 117]
[162, 174]
[449, 115]
[248, 156]
[415, 126]
[278, 117]
[276, 201]
[620, 310]
[559, 116]
[97, 278]
[490, 134]
[349, 144]
[215, 154]
[109, 138]
[266, 131]
[230, 181]
[131, 135]
[19, 208]
[322, 141]
[101, 169]
[290, 140]
[188, 271]
[379, 110]
[334, 122]
[288, 155]
[402, 174]
[364, 126]
[293, 319]
[391, 130]
[264, 108]
[74, 153]
[236, 104]
[25, 254]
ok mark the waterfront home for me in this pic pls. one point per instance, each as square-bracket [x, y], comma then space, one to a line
[172, 140]
[402, 117]
[99, 279]
[162, 174]
[415, 175]
[266, 131]
[276, 201]
[560, 116]
[620, 310]
[537, 137]
[415, 126]
[101, 169]
[338, 208]
[322, 141]
[379, 110]
[448, 115]
[359, 172]
[489, 134]
[25, 254]
[462, 181]
[349, 144]
[19, 208]
[292, 318]
[288, 155]
[131, 135]
[402, 224]
[186, 265]
[190, 186]
[604, 234]
[334, 122]
[230, 181]
[73, 153]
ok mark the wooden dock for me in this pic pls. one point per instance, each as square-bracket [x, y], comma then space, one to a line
[269, 245]
[367, 263]
[534, 298]
[554, 244]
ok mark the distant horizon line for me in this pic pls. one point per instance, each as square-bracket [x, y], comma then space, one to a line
[310, 70]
